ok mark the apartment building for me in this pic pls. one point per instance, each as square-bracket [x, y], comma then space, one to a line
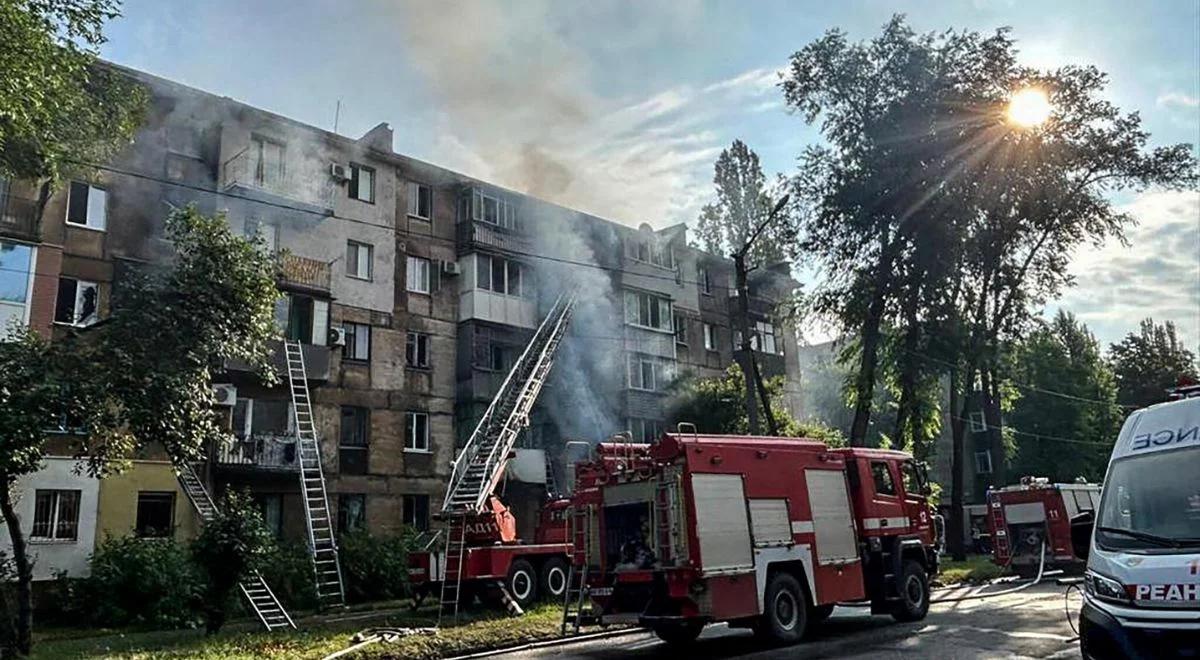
[411, 288]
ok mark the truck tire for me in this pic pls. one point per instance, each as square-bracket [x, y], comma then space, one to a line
[914, 593]
[522, 582]
[553, 583]
[680, 633]
[785, 610]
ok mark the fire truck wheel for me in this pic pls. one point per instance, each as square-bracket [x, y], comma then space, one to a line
[679, 634]
[785, 610]
[522, 582]
[914, 593]
[554, 578]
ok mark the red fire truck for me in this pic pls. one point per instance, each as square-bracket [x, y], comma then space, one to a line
[1023, 517]
[760, 532]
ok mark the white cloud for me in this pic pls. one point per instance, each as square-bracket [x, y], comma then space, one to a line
[1178, 99]
[1156, 275]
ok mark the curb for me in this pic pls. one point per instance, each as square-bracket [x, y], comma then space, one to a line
[545, 643]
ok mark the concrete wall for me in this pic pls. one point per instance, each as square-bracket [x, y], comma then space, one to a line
[52, 556]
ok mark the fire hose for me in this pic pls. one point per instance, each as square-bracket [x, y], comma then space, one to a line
[1004, 592]
[373, 635]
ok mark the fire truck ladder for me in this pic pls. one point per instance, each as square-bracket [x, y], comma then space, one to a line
[260, 597]
[576, 602]
[480, 464]
[321, 541]
[1000, 538]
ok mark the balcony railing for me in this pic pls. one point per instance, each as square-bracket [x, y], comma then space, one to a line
[302, 271]
[266, 451]
[18, 217]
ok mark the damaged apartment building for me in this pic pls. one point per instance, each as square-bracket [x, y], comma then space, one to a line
[411, 289]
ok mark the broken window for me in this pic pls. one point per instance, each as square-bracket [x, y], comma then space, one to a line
[155, 514]
[362, 183]
[358, 342]
[416, 350]
[416, 431]
[420, 201]
[55, 515]
[359, 258]
[418, 274]
[87, 206]
[352, 448]
[352, 512]
[416, 512]
[77, 302]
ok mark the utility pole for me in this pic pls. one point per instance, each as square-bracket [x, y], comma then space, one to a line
[749, 364]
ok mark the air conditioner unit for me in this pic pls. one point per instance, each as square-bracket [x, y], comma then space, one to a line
[225, 394]
[339, 171]
[337, 336]
[451, 268]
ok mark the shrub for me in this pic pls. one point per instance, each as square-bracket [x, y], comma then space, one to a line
[374, 567]
[231, 545]
[141, 581]
[288, 570]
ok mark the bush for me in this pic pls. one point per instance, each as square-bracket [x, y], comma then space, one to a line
[232, 545]
[374, 567]
[141, 581]
[288, 570]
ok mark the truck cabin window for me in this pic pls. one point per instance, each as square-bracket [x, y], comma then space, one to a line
[1152, 503]
[882, 477]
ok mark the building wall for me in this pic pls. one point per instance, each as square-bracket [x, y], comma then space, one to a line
[118, 500]
[51, 557]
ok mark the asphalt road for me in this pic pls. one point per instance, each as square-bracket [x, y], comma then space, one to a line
[1028, 624]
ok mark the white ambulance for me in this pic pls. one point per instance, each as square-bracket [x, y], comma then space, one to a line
[1142, 586]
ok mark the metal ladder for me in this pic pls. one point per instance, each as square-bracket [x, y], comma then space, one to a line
[456, 550]
[552, 490]
[576, 603]
[480, 464]
[260, 597]
[1000, 539]
[321, 540]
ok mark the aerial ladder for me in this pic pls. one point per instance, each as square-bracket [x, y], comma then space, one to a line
[480, 464]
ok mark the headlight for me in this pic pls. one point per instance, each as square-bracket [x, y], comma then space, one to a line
[1104, 588]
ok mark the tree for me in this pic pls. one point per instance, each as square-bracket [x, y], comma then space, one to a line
[127, 388]
[1148, 362]
[230, 547]
[60, 106]
[1066, 413]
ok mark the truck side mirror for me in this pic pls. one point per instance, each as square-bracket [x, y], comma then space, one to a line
[1081, 533]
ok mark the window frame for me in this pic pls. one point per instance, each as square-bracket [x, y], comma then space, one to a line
[875, 478]
[75, 320]
[409, 509]
[977, 421]
[137, 524]
[410, 429]
[259, 142]
[703, 280]
[414, 201]
[87, 206]
[54, 520]
[355, 183]
[680, 327]
[343, 512]
[414, 260]
[356, 248]
[710, 336]
[653, 307]
[351, 330]
[360, 433]
[413, 348]
[987, 454]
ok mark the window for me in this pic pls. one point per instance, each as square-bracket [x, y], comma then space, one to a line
[493, 210]
[266, 162]
[765, 338]
[362, 183]
[55, 515]
[883, 478]
[352, 448]
[358, 342]
[303, 318]
[87, 206]
[359, 260]
[416, 512]
[271, 417]
[418, 275]
[680, 330]
[499, 275]
[651, 252]
[647, 310]
[155, 514]
[645, 430]
[710, 337]
[983, 462]
[497, 357]
[416, 350]
[16, 278]
[271, 507]
[352, 512]
[420, 201]
[703, 281]
[416, 431]
[978, 422]
[77, 302]
[269, 233]
[649, 373]
[243, 413]
[913, 484]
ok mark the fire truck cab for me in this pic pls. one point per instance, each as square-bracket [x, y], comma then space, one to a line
[761, 532]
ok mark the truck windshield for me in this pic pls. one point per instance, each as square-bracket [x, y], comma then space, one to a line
[1152, 502]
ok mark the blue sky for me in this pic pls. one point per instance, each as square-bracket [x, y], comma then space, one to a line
[618, 108]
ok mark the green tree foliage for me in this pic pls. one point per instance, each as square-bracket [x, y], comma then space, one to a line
[375, 567]
[1066, 392]
[743, 202]
[231, 546]
[715, 405]
[135, 581]
[59, 106]
[1150, 361]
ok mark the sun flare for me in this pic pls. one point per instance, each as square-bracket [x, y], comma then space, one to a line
[1029, 107]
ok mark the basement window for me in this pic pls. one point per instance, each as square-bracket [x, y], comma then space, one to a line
[155, 514]
[416, 512]
[87, 206]
[352, 512]
[55, 515]
[77, 302]
[362, 183]
[416, 431]
[420, 201]
[416, 350]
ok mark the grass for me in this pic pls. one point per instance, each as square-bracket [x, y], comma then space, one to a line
[315, 639]
[976, 568]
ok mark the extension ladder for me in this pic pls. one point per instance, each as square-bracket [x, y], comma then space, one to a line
[456, 550]
[577, 606]
[1000, 540]
[260, 597]
[321, 540]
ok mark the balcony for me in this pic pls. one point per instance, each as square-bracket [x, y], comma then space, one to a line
[477, 233]
[261, 452]
[246, 176]
[18, 217]
[294, 270]
[316, 362]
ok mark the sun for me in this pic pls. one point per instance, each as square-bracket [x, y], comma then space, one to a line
[1029, 107]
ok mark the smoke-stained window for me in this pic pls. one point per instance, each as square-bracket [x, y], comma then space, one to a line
[266, 162]
[420, 201]
[651, 251]
[650, 373]
[647, 310]
[645, 430]
[418, 275]
[493, 209]
[362, 183]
